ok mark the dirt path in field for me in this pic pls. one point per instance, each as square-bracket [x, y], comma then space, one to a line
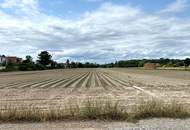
[153, 124]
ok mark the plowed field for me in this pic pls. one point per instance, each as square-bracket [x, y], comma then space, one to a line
[58, 87]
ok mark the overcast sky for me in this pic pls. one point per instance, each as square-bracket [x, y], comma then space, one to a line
[99, 31]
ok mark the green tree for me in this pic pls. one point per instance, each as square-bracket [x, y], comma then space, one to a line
[141, 63]
[44, 58]
[80, 65]
[187, 62]
[29, 60]
[54, 64]
[73, 65]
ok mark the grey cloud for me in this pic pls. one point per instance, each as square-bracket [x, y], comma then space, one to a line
[110, 33]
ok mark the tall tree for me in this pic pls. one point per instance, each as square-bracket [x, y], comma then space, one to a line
[44, 58]
[28, 59]
[187, 62]
[68, 63]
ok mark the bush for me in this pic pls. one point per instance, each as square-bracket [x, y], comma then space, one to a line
[24, 67]
[11, 67]
[40, 67]
[30, 67]
[27, 67]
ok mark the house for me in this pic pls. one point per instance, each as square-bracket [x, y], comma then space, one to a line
[13, 60]
[2, 59]
[150, 66]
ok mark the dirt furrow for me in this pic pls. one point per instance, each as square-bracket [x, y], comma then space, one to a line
[78, 84]
[40, 84]
[104, 84]
[67, 84]
[89, 85]
[85, 83]
[76, 79]
[98, 82]
[11, 85]
[28, 85]
[116, 85]
[124, 83]
[64, 81]
[55, 82]
[92, 80]
[108, 83]
[137, 88]
[51, 83]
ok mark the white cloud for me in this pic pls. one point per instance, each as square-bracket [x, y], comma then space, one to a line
[177, 6]
[28, 7]
[106, 34]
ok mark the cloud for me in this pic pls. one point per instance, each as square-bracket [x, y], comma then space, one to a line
[112, 32]
[175, 7]
[22, 7]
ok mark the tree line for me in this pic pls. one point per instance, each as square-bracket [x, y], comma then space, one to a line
[44, 61]
[162, 62]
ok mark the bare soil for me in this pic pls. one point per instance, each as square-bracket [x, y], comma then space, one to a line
[153, 124]
[61, 87]
[57, 87]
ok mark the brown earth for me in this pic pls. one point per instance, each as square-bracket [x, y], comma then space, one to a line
[153, 124]
[57, 87]
[62, 87]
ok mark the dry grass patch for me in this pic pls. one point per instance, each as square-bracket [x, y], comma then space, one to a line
[96, 110]
[91, 110]
[104, 110]
[156, 108]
